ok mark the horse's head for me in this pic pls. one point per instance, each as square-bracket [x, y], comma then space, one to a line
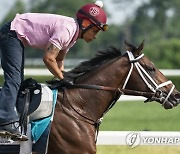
[135, 72]
[145, 77]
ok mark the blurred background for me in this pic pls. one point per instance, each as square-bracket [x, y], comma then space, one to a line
[156, 21]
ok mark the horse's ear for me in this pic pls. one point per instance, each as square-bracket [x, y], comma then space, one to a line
[129, 46]
[139, 49]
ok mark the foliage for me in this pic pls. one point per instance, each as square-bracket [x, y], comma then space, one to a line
[18, 8]
[176, 81]
[156, 21]
[164, 53]
[68, 8]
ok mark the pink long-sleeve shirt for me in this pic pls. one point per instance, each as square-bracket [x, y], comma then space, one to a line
[37, 29]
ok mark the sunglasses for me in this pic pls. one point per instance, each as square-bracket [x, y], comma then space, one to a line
[104, 27]
[100, 26]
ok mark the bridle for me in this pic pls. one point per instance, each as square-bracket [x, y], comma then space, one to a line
[158, 94]
[155, 95]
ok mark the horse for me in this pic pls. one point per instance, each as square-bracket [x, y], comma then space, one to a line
[99, 82]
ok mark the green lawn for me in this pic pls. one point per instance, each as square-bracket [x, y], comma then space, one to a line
[128, 116]
[139, 116]
[138, 150]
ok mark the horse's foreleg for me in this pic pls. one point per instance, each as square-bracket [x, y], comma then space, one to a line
[71, 136]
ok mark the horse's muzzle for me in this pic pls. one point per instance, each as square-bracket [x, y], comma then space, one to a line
[172, 101]
[160, 97]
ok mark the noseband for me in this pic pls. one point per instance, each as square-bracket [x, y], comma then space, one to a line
[158, 94]
[155, 95]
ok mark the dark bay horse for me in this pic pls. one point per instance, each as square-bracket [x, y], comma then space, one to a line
[110, 74]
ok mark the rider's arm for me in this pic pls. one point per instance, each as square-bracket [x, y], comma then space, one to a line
[51, 60]
[60, 60]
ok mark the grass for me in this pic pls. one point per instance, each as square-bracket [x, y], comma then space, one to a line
[139, 116]
[138, 150]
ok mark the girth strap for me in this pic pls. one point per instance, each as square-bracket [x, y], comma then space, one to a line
[23, 120]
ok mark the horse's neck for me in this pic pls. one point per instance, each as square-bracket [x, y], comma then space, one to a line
[110, 75]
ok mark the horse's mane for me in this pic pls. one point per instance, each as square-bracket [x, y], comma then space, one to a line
[102, 56]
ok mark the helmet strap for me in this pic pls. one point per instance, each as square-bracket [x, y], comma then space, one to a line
[83, 27]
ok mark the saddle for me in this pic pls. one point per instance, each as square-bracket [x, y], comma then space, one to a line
[34, 102]
[29, 96]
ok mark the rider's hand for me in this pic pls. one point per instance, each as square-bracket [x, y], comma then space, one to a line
[66, 82]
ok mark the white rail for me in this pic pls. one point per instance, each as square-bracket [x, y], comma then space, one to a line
[43, 71]
[135, 138]
[129, 138]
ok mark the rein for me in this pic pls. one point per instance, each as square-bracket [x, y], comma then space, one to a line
[105, 88]
[142, 72]
[144, 75]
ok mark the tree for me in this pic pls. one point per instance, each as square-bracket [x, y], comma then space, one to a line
[81, 49]
[158, 23]
[165, 53]
[158, 18]
[18, 8]
[68, 8]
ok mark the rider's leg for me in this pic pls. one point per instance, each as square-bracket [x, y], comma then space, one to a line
[12, 62]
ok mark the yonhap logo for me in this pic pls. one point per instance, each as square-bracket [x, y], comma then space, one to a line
[133, 139]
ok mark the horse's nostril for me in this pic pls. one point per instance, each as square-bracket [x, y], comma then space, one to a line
[177, 96]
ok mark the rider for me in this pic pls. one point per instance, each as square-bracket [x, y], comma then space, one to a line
[55, 34]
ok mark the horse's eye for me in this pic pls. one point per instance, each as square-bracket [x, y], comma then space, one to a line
[151, 69]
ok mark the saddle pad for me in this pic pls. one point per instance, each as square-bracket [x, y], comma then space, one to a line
[45, 107]
[39, 126]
